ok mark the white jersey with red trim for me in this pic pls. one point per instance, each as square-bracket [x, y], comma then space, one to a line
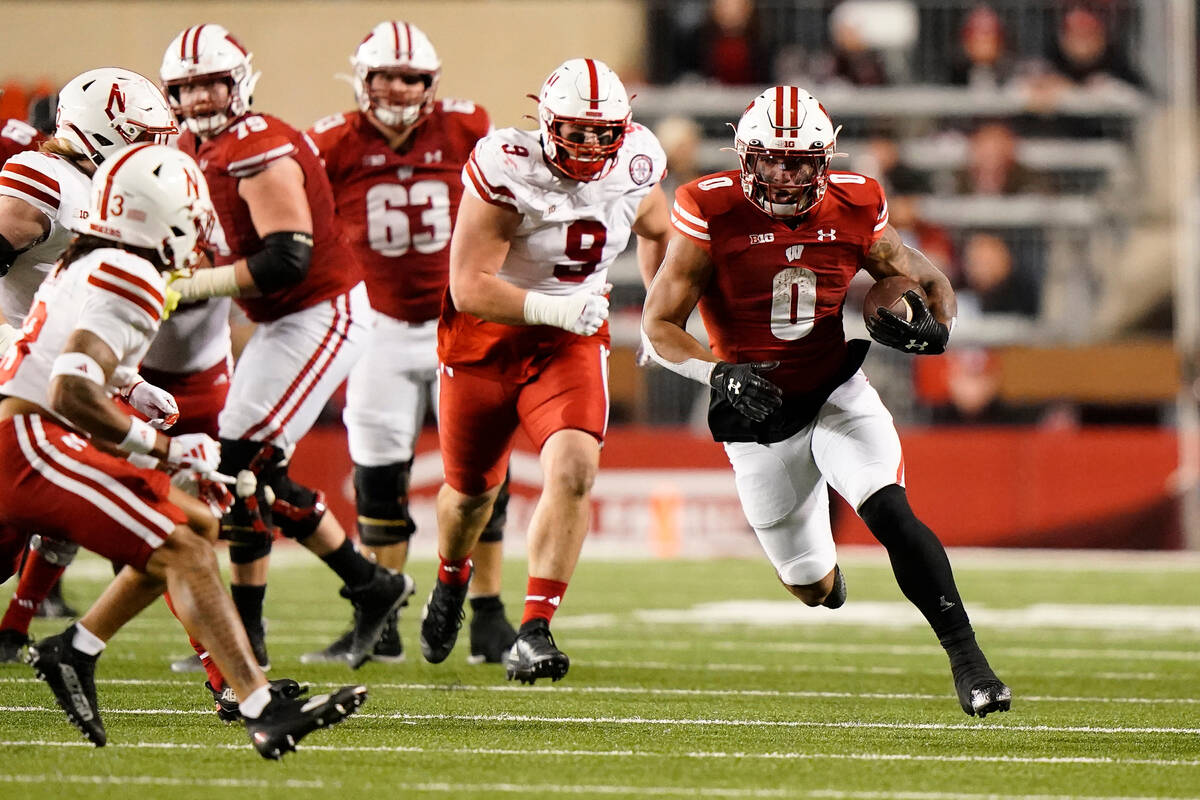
[571, 231]
[57, 188]
[112, 293]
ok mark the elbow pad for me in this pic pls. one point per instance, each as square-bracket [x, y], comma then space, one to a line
[283, 262]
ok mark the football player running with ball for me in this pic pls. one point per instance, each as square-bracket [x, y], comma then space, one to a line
[523, 337]
[281, 254]
[395, 168]
[767, 252]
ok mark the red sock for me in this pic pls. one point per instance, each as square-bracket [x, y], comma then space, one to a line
[37, 579]
[542, 597]
[210, 667]
[456, 572]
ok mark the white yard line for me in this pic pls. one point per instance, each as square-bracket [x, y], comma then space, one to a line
[639, 754]
[148, 780]
[980, 726]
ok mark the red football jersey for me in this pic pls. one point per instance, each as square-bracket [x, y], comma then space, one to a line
[777, 291]
[243, 150]
[398, 208]
[17, 136]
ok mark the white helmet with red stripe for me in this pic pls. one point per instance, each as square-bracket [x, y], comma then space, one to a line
[203, 53]
[396, 47]
[155, 197]
[106, 109]
[784, 142]
[583, 92]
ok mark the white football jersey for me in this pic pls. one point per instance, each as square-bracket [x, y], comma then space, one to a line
[195, 337]
[115, 294]
[571, 231]
[57, 188]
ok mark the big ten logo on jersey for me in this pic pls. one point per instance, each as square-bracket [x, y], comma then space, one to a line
[761, 238]
[416, 217]
[585, 247]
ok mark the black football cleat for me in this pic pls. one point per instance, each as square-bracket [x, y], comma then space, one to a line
[71, 675]
[979, 691]
[12, 646]
[388, 650]
[534, 655]
[491, 634]
[374, 603]
[837, 595]
[226, 702]
[285, 721]
[441, 620]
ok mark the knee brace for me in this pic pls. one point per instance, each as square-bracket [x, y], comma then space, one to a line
[494, 530]
[381, 497]
[297, 510]
[249, 526]
[58, 552]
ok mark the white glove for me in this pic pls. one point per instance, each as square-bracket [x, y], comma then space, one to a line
[157, 405]
[198, 452]
[578, 313]
[8, 335]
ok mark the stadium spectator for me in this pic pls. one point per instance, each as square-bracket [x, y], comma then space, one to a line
[523, 339]
[282, 255]
[398, 205]
[992, 284]
[789, 399]
[984, 61]
[92, 321]
[991, 167]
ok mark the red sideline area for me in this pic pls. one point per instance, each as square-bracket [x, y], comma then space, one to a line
[1105, 488]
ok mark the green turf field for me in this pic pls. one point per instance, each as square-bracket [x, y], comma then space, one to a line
[688, 679]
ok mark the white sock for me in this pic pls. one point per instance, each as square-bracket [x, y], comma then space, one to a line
[252, 707]
[86, 642]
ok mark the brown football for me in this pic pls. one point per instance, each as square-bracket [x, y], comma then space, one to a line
[889, 293]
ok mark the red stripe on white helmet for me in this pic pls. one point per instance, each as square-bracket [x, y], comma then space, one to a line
[593, 84]
[108, 181]
[196, 43]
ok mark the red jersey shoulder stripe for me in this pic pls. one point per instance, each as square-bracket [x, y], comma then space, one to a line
[503, 191]
[32, 174]
[128, 287]
[495, 197]
[23, 191]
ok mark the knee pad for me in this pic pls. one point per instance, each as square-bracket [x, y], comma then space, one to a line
[297, 510]
[493, 531]
[249, 525]
[381, 497]
[58, 552]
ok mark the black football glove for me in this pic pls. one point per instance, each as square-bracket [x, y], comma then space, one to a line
[752, 395]
[923, 336]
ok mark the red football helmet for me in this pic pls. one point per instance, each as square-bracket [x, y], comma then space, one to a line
[583, 93]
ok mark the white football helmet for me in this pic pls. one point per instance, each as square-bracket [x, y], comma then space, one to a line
[203, 53]
[784, 142]
[155, 197]
[396, 47]
[583, 91]
[104, 110]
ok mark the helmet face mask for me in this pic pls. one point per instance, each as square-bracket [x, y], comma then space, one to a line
[208, 54]
[583, 115]
[103, 110]
[785, 141]
[396, 49]
[155, 198]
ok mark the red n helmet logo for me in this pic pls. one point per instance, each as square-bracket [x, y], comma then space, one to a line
[193, 184]
[115, 95]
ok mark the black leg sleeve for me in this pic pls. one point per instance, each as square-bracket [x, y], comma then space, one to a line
[918, 560]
